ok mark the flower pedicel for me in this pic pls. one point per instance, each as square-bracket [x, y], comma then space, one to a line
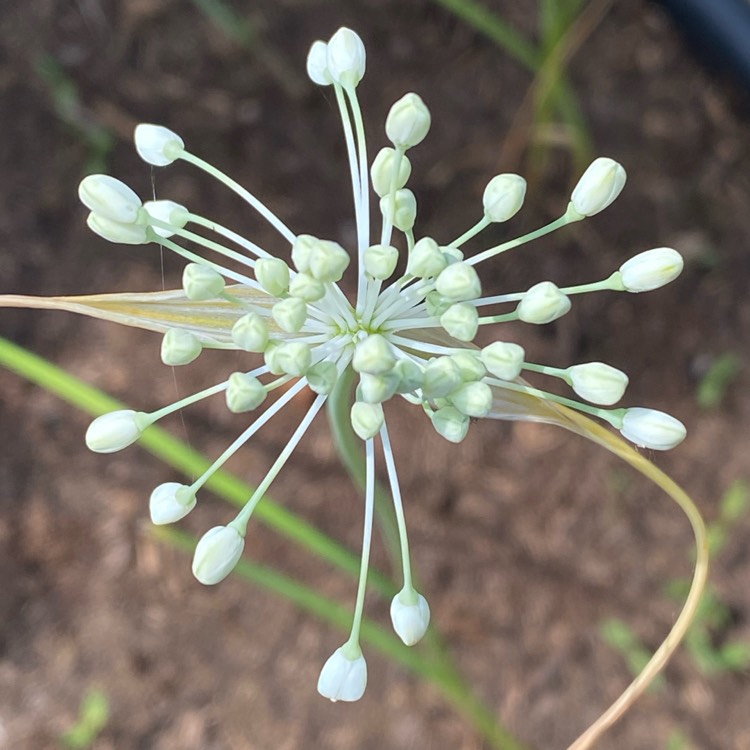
[407, 336]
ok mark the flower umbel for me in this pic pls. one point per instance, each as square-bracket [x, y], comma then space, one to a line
[406, 336]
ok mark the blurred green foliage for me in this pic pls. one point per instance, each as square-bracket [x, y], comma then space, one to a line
[93, 716]
[714, 384]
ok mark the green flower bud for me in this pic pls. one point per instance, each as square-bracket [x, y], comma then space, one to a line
[410, 375]
[426, 259]
[405, 213]
[473, 399]
[328, 261]
[503, 197]
[408, 121]
[250, 333]
[374, 355]
[273, 275]
[441, 377]
[461, 321]
[381, 171]
[374, 389]
[293, 358]
[450, 423]
[201, 282]
[244, 393]
[290, 314]
[367, 419]
[543, 303]
[380, 261]
[469, 365]
[459, 282]
[179, 347]
[306, 288]
[503, 359]
[322, 377]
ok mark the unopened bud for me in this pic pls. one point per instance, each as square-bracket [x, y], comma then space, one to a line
[380, 261]
[543, 303]
[346, 58]
[408, 121]
[109, 197]
[273, 275]
[599, 185]
[317, 64]
[293, 358]
[597, 382]
[426, 259]
[367, 419]
[170, 502]
[290, 314]
[217, 553]
[179, 347]
[168, 212]
[344, 675]
[503, 359]
[115, 231]
[473, 399]
[114, 431]
[306, 288]
[651, 269]
[374, 355]
[461, 321]
[400, 209]
[441, 377]
[503, 197]
[450, 423]
[157, 145]
[201, 282]
[459, 282]
[244, 393]
[250, 333]
[384, 178]
[410, 615]
[653, 429]
[328, 261]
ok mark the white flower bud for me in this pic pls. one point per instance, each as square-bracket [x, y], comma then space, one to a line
[157, 145]
[250, 333]
[344, 676]
[405, 213]
[426, 259]
[346, 58]
[380, 261]
[410, 375]
[273, 275]
[450, 423]
[170, 502]
[382, 171]
[306, 288]
[317, 64]
[653, 429]
[301, 249]
[503, 197]
[543, 303]
[452, 254]
[461, 321]
[473, 399]
[374, 389]
[328, 261]
[290, 314]
[114, 231]
[469, 365]
[244, 393]
[599, 185]
[367, 419]
[179, 347]
[114, 431]
[269, 357]
[201, 282]
[459, 282]
[410, 615]
[408, 121]
[597, 382]
[651, 269]
[441, 377]
[217, 553]
[374, 355]
[293, 358]
[109, 197]
[503, 359]
[168, 212]
[436, 304]
[322, 377]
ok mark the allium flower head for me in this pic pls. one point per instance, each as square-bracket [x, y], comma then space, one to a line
[407, 335]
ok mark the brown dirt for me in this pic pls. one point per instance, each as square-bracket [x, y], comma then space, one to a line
[524, 538]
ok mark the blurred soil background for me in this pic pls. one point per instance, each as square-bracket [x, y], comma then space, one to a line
[526, 540]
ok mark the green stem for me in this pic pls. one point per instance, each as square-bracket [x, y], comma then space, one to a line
[181, 457]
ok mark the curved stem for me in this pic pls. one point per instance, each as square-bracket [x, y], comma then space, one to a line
[597, 433]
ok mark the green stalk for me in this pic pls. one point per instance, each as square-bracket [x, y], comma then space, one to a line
[183, 458]
[430, 662]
